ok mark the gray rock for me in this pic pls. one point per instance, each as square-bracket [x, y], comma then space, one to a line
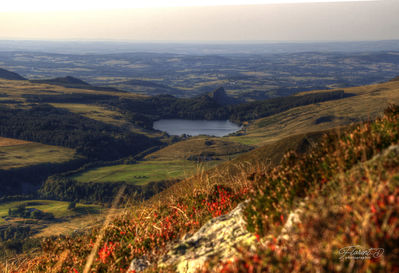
[217, 238]
[139, 264]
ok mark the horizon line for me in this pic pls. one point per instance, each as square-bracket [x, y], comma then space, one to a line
[209, 42]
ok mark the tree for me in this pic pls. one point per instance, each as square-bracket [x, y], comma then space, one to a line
[72, 205]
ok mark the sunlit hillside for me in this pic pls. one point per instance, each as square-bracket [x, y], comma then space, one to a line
[358, 159]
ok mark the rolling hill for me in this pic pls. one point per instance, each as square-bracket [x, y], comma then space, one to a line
[8, 75]
[315, 197]
[368, 102]
[15, 153]
[116, 124]
[199, 149]
[71, 82]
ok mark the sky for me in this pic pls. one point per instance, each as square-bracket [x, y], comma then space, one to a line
[200, 20]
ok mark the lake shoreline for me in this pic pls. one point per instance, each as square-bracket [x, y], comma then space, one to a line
[177, 127]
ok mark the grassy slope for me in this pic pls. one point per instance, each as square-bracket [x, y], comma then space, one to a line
[104, 115]
[368, 103]
[293, 129]
[94, 112]
[243, 165]
[357, 208]
[167, 163]
[296, 128]
[319, 178]
[15, 90]
[4, 142]
[273, 152]
[66, 221]
[80, 222]
[35, 153]
[141, 173]
[199, 146]
[22, 155]
[345, 193]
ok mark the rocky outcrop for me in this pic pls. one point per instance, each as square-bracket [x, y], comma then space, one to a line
[220, 97]
[217, 238]
[138, 265]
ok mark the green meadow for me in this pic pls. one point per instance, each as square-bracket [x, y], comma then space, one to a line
[142, 172]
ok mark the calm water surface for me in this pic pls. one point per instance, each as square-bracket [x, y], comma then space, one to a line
[177, 127]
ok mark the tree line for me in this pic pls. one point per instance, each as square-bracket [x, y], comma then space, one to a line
[49, 125]
[58, 187]
[153, 108]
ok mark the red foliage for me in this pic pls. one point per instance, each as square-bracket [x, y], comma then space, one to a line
[106, 251]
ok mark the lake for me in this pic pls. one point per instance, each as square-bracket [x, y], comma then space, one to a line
[177, 127]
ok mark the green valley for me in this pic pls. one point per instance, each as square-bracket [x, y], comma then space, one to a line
[63, 145]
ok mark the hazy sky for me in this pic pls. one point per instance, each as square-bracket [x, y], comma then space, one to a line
[200, 20]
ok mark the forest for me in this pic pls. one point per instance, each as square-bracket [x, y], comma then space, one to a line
[49, 125]
[205, 107]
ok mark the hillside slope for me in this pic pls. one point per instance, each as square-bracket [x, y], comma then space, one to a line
[199, 149]
[319, 234]
[8, 75]
[365, 215]
[368, 103]
[271, 179]
[72, 82]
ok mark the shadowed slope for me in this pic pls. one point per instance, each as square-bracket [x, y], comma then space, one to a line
[8, 75]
